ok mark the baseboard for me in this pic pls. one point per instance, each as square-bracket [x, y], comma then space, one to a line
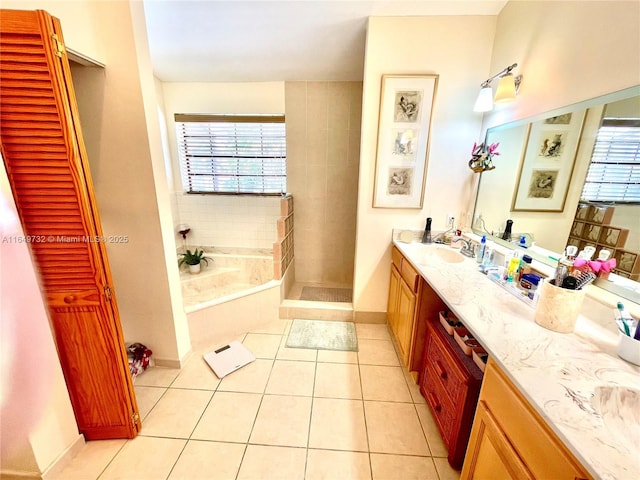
[64, 458]
[370, 317]
[170, 363]
[19, 475]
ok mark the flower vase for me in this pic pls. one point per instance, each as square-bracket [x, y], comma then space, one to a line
[194, 269]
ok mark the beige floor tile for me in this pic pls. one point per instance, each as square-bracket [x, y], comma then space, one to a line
[265, 462]
[301, 354]
[372, 331]
[251, 378]
[147, 397]
[262, 345]
[377, 352]
[338, 424]
[431, 432]
[208, 460]
[90, 461]
[291, 378]
[150, 458]
[391, 467]
[330, 465]
[282, 421]
[394, 428]
[277, 326]
[157, 377]
[445, 471]
[337, 380]
[228, 418]
[384, 383]
[196, 375]
[176, 413]
[336, 356]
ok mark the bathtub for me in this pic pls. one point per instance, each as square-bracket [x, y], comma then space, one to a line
[234, 293]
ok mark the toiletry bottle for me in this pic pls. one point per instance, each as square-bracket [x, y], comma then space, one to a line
[565, 265]
[605, 268]
[513, 267]
[481, 248]
[525, 266]
[523, 241]
[487, 256]
[426, 237]
[582, 261]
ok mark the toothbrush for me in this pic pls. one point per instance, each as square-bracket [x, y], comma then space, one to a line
[622, 318]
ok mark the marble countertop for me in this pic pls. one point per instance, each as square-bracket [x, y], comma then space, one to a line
[559, 373]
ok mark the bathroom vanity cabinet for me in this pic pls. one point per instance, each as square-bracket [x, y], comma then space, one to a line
[410, 302]
[510, 440]
[450, 382]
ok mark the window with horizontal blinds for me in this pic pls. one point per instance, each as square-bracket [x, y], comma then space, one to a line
[232, 153]
[614, 172]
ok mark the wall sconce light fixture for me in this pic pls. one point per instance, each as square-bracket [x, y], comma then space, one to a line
[507, 90]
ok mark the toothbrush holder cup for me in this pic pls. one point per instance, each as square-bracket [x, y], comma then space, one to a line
[629, 349]
[558, 308]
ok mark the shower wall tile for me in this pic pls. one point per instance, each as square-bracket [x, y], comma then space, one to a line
[323, 154]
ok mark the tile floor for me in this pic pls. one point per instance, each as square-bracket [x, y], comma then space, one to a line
[292, 414]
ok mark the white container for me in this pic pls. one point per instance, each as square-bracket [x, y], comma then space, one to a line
[629, 349]
[558, 308]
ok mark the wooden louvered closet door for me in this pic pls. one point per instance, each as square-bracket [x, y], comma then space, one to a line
[45, 158]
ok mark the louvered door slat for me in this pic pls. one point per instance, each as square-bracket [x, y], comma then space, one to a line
[43, 153]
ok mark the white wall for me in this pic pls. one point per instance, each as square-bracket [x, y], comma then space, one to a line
[222, 220]
[567, 52]
[458, 49]
[122, 151]
[36, 418]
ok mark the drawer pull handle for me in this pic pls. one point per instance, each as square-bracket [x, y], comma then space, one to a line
[442, 373]
[433, 400]
[70, 299]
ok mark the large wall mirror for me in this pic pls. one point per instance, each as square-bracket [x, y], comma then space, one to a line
[540, 175]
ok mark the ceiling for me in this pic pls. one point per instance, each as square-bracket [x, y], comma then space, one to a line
[264, 40]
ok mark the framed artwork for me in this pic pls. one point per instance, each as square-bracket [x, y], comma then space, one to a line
[406, 104]
[547, 164]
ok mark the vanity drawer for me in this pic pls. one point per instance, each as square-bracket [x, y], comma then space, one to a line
[396, 258]
[442, 409]
[443, 368]
[410, 275]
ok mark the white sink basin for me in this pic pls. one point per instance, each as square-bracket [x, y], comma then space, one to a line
[448, 255]
[619, 408]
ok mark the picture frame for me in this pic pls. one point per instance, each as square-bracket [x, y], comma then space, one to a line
[547, 164]
[404, 127]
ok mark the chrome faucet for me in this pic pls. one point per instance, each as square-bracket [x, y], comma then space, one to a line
[467, 247]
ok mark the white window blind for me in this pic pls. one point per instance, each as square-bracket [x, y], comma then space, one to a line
[232, 153]
[614, 172]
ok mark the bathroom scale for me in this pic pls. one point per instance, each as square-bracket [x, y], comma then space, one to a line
[228, 359]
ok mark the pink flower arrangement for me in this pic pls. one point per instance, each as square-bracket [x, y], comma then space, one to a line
[481, 157]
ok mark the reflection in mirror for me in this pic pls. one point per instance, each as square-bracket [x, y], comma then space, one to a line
[545, 214]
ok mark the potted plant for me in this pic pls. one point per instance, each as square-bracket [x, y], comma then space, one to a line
[193, 259]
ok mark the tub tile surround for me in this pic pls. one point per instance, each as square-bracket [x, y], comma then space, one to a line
[556, 372]
[257, 423]
[244, 221]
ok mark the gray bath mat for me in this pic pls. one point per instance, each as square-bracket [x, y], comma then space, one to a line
[323, 294]
[323, 335]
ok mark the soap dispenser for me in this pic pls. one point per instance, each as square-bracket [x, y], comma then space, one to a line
[507, 231]
[426, 237]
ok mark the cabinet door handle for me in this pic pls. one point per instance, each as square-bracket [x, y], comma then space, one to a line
[69, 299]
[442, 373]
[433, 400]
